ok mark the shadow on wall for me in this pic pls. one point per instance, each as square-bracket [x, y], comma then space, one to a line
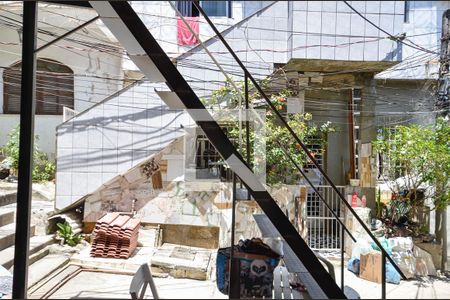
[139, 140]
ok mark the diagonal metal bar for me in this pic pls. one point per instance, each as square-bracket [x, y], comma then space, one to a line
[178, 84]
[297, 139]
[247, 123]
[78, 3]
[67, 34]
[315, 190]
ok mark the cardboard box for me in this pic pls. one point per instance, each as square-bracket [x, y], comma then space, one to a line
[370, 267]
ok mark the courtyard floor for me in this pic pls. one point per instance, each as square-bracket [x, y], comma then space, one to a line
[418, 288]
[106, 285]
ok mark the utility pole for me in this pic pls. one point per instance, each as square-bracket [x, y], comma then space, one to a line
[442, 103]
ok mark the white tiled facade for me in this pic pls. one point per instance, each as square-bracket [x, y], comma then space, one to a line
[423, 28]
[115, 135]
[331, 30]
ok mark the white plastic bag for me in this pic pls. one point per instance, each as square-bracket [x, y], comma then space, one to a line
[401, 244]
[406, 261]
[361, 247]
[275, 244]
[424, 263]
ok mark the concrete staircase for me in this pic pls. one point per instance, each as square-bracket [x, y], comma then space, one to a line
[39, 244]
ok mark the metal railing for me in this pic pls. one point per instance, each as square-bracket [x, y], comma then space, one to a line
[304, 148]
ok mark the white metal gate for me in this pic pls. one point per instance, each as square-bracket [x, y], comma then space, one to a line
[324, 231]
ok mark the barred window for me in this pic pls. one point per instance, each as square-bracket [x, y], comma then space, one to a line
[54, 88]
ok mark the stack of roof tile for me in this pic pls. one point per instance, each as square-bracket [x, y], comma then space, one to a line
[115, 236]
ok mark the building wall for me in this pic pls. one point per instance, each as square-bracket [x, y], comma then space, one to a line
[330, 30]
[45, 130]
[119, 137]
[115, 135]
[259, 42]
[161, 19]
[423, 27]
[86, 65]
[337, 155]
[112, 137]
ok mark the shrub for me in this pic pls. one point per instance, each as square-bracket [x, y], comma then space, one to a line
[43, 169]
[65, 232]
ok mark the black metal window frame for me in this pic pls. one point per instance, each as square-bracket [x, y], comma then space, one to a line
[188, 9]
[407, 11]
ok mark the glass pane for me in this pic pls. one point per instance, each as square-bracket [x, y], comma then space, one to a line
[215, 8]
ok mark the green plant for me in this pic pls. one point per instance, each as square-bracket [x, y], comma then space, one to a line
[43, 168]
[397, 209]
[379, 206]
[419, 169]
[66, 233]
[279, 168]
[419, 159]
[11, 148]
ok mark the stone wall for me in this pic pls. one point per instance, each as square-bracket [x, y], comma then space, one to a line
[131, 191]
[147, 192]
[284, 195]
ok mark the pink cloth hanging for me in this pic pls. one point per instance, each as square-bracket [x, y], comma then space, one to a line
[185, 37]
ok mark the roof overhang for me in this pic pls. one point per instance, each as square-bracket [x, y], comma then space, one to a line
[329, 65]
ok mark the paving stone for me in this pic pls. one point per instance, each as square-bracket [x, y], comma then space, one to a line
[45, 266]
[46, 286]
[196, 265]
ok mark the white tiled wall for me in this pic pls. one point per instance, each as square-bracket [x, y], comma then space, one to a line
[110, 138]
[423, 29]
[330, 23]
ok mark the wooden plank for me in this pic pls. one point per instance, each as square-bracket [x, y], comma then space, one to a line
[277, 290]
[266, 227]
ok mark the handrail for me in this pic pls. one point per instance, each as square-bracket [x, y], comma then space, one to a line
[247, 131]
[139, 33]
[316, 191]
[297, 139]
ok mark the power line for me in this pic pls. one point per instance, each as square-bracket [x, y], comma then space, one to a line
[395, 38]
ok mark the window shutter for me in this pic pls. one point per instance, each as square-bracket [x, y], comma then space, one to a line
[12, 80]
[54, 88]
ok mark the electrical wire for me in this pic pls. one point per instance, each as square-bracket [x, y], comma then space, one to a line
[266, 74]
[395, 38]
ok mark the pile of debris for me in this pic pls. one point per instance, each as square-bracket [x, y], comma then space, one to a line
[413, 261]
[115, 236]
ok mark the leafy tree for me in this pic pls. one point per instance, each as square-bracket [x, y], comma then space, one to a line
[420, 159]
[279, 169]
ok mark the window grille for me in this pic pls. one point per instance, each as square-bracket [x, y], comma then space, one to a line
[54, 88]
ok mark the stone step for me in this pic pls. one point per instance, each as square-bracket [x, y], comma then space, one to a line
[45, 266]
[7, 197]
[7, 235]
[45, 287]
[6, 216]
[37, 243]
